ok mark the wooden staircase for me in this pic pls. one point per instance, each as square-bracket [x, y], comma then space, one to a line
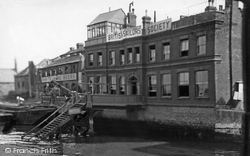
[56, 119]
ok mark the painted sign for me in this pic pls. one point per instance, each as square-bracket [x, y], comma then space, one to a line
[124, 33]
[65, 77]
[159, 26]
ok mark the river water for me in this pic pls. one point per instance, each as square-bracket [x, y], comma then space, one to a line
[107, 145]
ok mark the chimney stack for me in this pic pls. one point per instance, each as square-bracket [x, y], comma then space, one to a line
[131, 16]
[71, 48]
[210, 6]
[234, 2]
[146, 20]
[79, 45]
[15, 65]
[220, 7]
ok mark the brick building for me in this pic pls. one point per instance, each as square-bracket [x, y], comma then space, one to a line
[173, 70]
[185, 62]
[65, 69]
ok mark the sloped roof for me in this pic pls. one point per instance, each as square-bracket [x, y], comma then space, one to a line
[7, 75]
[23, 72]
[43, 63]
[65, 60]
[73, 51]
[115, 16]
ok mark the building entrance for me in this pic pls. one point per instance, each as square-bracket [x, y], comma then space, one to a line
[133, 88]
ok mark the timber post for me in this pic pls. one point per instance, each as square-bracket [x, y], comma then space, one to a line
[90, 112]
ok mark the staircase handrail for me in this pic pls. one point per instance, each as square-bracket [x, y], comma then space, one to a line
[49, 117]
[44, 120]
[62, 112]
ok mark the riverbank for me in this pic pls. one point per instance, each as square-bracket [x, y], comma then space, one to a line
[109, 145]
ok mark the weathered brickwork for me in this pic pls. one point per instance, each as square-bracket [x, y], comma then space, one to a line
[189, 116]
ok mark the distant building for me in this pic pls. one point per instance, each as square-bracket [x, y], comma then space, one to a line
[26, 80]
[7, 81]
[66, 70]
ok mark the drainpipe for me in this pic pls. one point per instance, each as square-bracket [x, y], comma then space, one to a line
[230, 53]
[107, 64]
[246, 77]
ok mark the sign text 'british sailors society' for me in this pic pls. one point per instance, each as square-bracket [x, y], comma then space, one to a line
[124, 33]
[159, 26]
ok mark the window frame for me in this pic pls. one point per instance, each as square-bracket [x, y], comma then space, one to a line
[206, 83]
[181, 86]
[184, 47]
[166, 53]
[112, 82]
[112, 58]
[130, 55]
[99, 63]
[122, 85]
[200, 45]
[122, 57]
[166, 84]
[152, 53]
[137, 55]
[152, 87]
[91, 59]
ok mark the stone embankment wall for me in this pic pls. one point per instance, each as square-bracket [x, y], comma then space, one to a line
[190, 123]
[172, 122]
[229, 121]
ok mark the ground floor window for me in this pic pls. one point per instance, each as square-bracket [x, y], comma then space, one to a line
[166, 85]
[183, 84]
[122, 85]
[91, 84]
[102, 85]
[201, 86]
[152, 89]
[112, 85]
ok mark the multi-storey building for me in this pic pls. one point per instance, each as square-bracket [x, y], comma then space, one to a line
[187, 62]
[65, 69]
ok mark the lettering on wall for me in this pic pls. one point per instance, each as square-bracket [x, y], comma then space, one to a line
[159, 26]
[124, 33]
[65, 77]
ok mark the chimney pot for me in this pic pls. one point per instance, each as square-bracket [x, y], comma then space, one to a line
[71, 48]
[220, 7]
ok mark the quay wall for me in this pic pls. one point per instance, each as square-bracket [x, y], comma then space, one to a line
[161, 121]
[204, 117]
[192, 123]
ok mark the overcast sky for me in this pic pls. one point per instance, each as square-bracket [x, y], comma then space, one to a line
[32, 30]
